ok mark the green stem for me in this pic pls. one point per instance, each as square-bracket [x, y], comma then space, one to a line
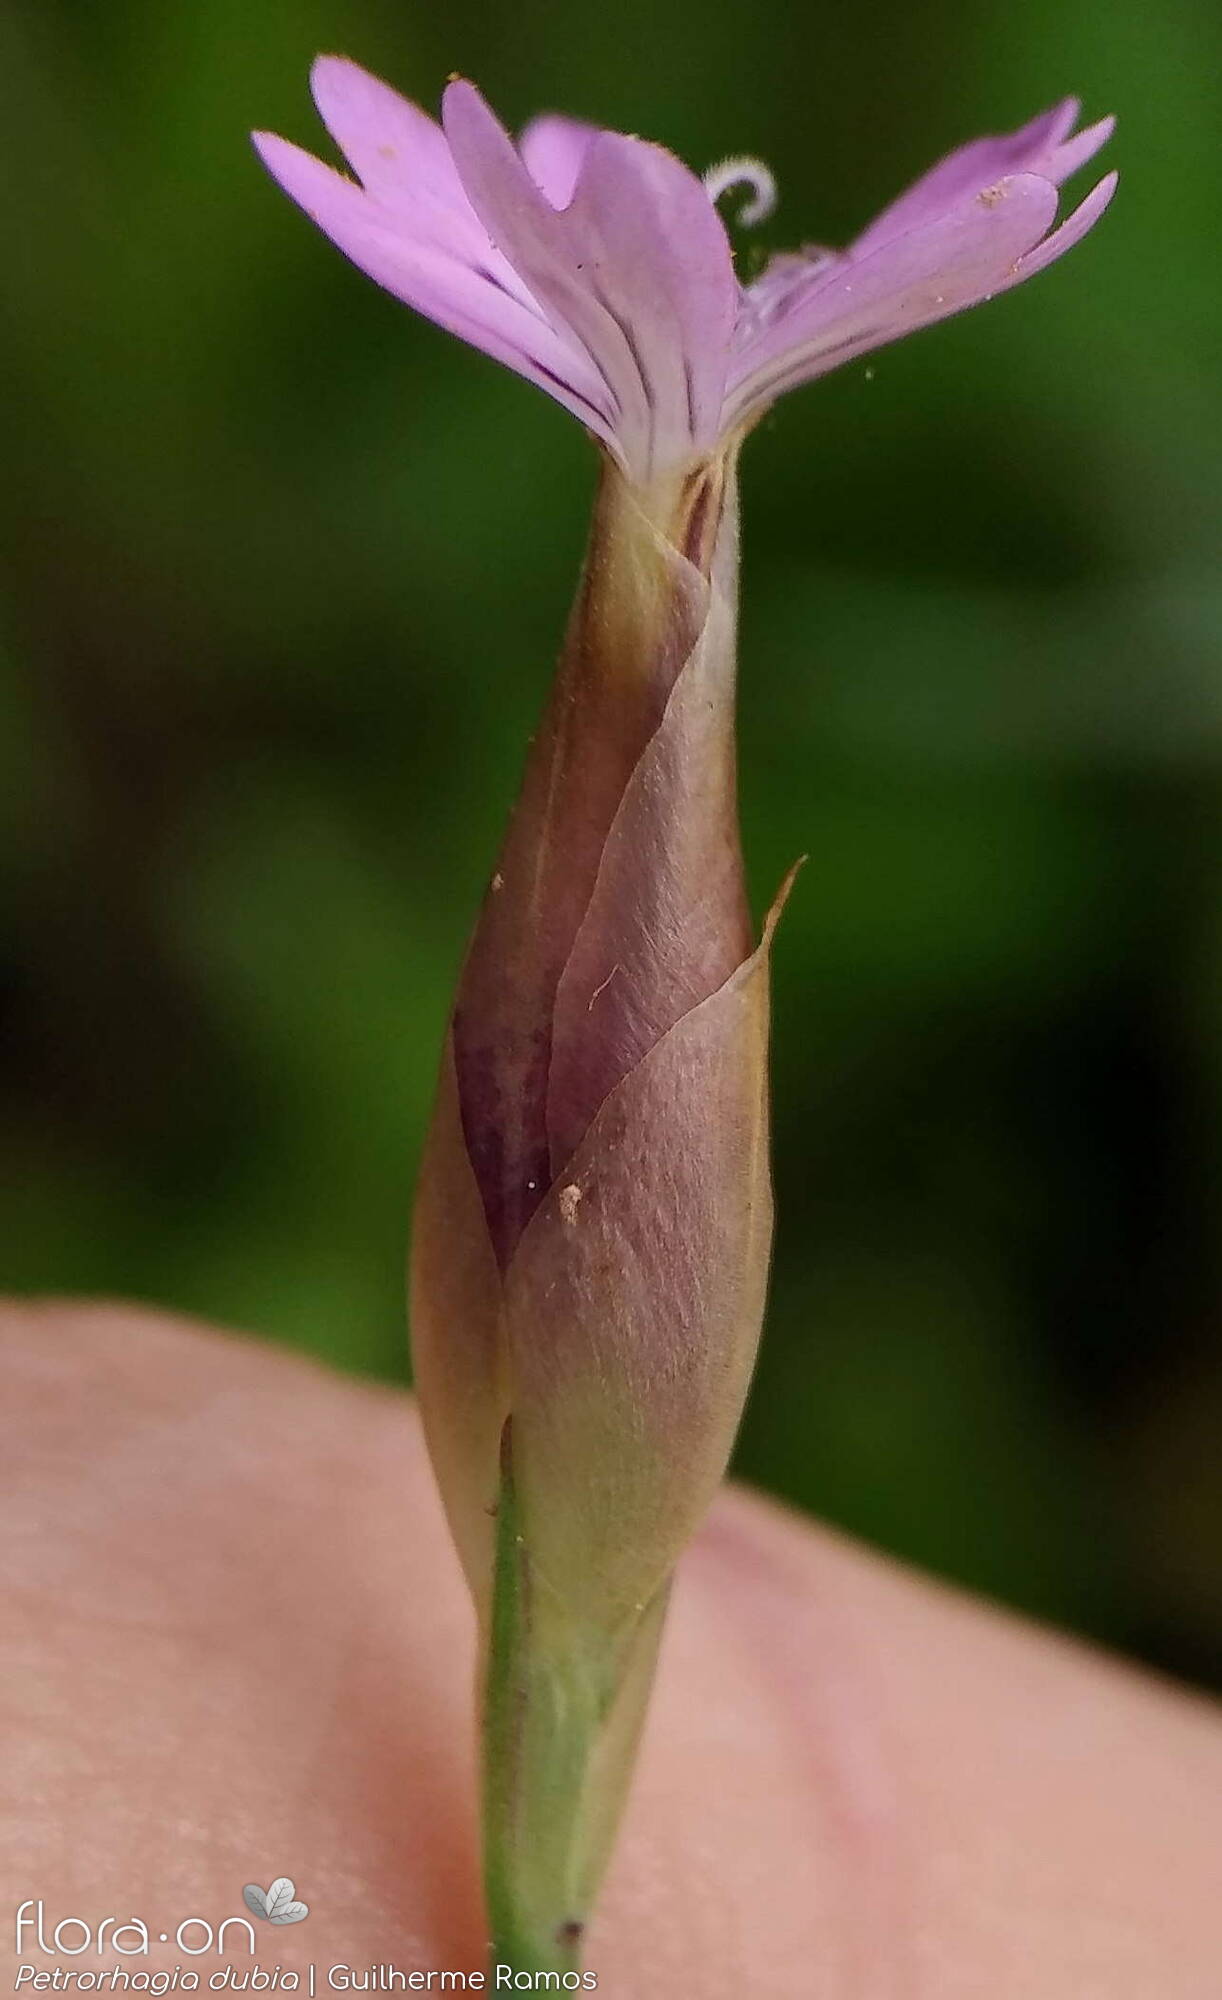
[562, 1711]
[535, 1752]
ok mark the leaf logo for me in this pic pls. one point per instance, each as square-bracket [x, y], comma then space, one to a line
[275, 1905]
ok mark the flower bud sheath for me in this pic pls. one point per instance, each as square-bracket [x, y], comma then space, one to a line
[593, 1219]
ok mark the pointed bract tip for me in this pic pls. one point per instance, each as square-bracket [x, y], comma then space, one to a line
[776, 909]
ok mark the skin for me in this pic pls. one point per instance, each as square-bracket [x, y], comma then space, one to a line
[235, 1644]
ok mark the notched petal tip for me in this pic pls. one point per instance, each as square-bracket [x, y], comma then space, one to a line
[1075, 226]
[554, 149]
[1073, 153]
[407, 223]
[336, 203]
[301, 174]
[965, 254]
[1046, 129]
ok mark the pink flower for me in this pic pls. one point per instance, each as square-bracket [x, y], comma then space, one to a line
[594, 1212]
[598, 266]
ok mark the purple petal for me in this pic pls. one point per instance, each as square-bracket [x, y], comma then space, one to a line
[637, 267]
[1074, 153]
[909, 281]
[396, 150]
[457, 284]
[403, 160]
[554, 150]
[1032, 149]
[662, 260]
[521, 221]
[1063, 238]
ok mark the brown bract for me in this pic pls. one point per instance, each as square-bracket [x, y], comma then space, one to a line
[594, 1215]
[620, 901]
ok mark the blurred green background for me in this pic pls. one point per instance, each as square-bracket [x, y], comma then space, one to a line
[285, 572]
